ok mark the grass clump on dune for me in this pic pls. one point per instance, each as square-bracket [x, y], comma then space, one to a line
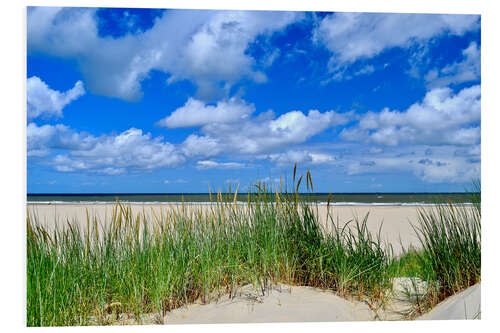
[450, 235]
[449, 258]
[135, 265]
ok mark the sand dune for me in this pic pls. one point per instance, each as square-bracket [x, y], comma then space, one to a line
[290, 304]
[464, 305]
[305, 304]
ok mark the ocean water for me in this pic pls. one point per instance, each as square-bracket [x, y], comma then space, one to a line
[404, 199]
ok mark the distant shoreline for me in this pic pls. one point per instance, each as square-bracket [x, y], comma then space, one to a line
[336, 199]
[195, 203]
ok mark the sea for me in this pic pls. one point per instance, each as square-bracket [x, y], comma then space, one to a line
[340, 199]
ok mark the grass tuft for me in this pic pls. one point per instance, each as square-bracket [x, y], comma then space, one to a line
[450, 235]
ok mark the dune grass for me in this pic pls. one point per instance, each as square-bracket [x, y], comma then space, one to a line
[449, 258]
[450, 235]
[135, 265]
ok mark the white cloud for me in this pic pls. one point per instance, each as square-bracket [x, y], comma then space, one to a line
[64, 163]
[236, 130]
[437, 139]
[443, 166]
[295, 126]
[205, 146]
[61, 31]
[207, 164]
[353, 36]
[431, 164]
[196, 113]
[318, 158]
[43, 101]
[441, 118]
[269, 180]
[418, 59]
[469, 69]
[41, 140]
[217, 49]
[301, 157]
[130, 150]
[206, 47]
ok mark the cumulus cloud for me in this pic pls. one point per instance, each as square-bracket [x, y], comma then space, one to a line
[204, 146]
[353, 36]
[235, 129]
[205, 47]
[441, 118]
[59, 31]
[41, 140]
[46, 102]
[130, 150]
[469, 69]
[437, 139]
[196, 113]
[295, 126]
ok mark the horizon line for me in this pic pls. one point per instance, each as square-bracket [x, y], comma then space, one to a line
[214, 193]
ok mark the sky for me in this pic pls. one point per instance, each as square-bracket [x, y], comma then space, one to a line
[169, 101]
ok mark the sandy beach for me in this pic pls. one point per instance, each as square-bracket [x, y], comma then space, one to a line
[279, 303]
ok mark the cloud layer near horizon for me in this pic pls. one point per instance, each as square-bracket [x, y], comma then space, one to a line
[441, 123]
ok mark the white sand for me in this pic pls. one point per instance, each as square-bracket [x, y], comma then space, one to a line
[305, 304]
[291, 304]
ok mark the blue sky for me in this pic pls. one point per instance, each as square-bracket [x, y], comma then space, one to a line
[137, 100]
